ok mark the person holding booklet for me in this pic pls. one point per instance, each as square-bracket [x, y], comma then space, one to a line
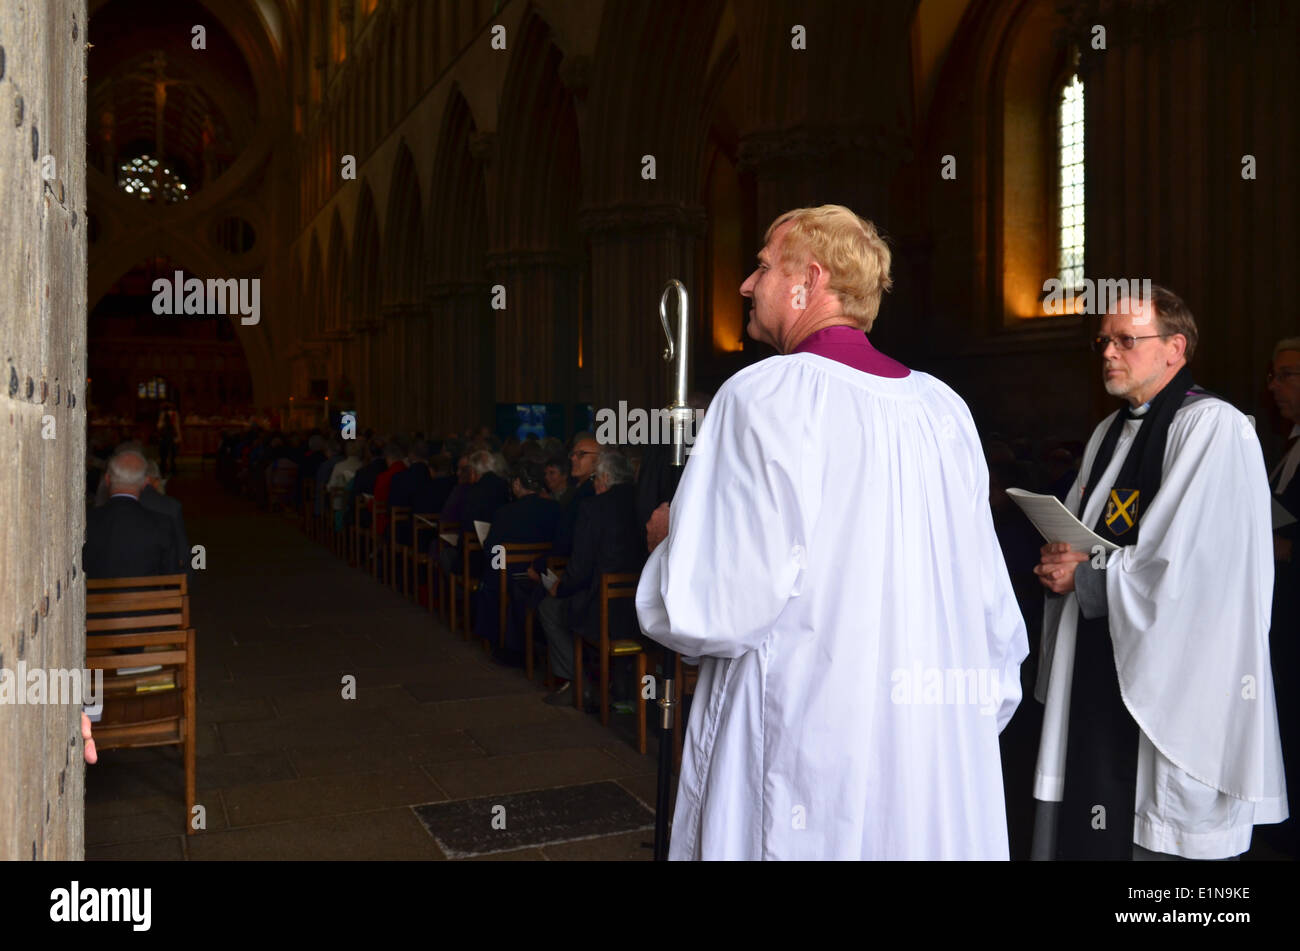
[1160, 733]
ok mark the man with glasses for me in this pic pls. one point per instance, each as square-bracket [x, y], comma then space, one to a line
[1160, 733]
[582, 465]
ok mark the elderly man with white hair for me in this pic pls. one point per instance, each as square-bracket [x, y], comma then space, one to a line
[606, 540]
[830, 556]
[124, 539]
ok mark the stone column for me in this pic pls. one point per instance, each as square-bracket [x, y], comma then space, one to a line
[635, 250]
[460, 356]
[536, 335]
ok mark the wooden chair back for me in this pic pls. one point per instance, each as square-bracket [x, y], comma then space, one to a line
[157, 707]
[469, 544]
[397, 515]
[613, 586]
[516, 553]
[435, 565]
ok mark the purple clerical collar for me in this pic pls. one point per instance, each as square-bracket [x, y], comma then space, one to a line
[850, 346]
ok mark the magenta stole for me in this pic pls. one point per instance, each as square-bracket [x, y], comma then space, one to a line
[850, 346]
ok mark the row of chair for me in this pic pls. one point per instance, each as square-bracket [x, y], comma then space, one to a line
[449, 595]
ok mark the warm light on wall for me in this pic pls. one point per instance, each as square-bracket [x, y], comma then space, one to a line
[725, 255]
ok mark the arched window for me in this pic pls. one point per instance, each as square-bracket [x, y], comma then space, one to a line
[1070, 210]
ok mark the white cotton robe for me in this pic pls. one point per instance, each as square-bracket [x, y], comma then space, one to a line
[1188, 608]
[831, 559]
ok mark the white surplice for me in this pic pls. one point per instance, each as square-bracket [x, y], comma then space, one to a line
[1188, 608]
[831, 559]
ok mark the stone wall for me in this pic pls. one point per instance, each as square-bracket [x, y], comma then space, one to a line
[42, 416]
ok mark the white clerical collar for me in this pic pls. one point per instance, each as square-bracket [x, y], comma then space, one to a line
[1140, 410]
[124, 495]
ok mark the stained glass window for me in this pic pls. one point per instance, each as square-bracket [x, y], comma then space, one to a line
[150, 180]
[1071, 164]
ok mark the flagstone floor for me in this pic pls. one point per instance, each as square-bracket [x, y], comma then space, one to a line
[289, 769]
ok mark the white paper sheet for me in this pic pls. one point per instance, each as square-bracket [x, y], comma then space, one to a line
[1055, 523]
[549, 579]
[482, 529]
[451, 538]
[128, 671]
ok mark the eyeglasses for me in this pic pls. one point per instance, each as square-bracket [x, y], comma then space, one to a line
[1283, 374]
[583, 452]
[1122, 341]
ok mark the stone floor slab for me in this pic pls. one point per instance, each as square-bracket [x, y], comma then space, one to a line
[265, 803]
[386, 835]
[521, 771]
[535, 819]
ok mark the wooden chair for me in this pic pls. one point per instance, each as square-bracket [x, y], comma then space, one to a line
[612, 587]
[516, 553]
[555, 563]
[436, 574]
[361, 536]
[378, 509]
[469, 543]
[421, 522]
[398, 515]
[149, 708]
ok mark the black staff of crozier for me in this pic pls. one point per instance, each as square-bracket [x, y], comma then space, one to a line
[678, 357]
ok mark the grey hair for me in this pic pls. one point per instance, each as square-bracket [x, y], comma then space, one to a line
[613, 467]
[127, 477]
[153, 472]
[482, 462]
[1290, 343]
[500, 466]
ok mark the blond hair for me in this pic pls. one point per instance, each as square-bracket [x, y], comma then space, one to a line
[854, 254]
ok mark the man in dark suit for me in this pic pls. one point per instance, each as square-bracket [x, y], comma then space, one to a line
[608, 539]
[153, 499]
[124, 539]
[486, 493]
[363, 483]
[531, 518]
[582, 460]
[440, 487]
[410, 488]
[489, 490]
